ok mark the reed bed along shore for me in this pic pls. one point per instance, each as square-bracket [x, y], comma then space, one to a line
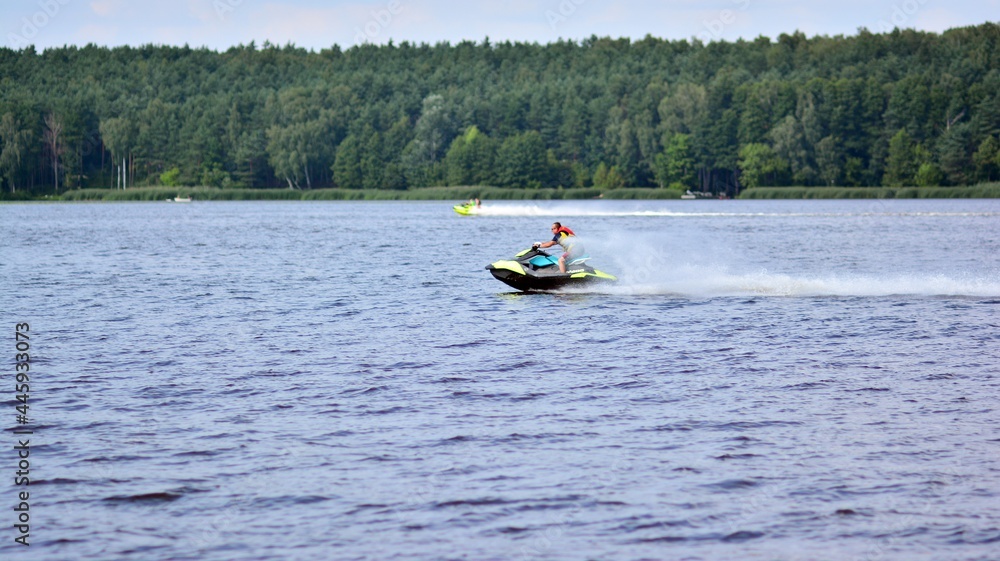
[427, 193]
[986, 190]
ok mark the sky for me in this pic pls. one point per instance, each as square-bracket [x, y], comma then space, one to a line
[316, 25]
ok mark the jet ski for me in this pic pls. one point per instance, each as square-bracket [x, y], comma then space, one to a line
[466, 209]
[534, 269]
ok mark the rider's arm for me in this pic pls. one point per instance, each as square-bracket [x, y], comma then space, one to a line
[550, 243]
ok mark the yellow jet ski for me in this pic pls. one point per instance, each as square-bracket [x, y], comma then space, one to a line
[467, 209]
[534, 269]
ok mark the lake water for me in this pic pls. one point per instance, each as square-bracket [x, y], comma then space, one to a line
[787, 380]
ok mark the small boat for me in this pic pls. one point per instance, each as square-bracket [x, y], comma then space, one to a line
[534, 269]
[688, 195]
[181, 199]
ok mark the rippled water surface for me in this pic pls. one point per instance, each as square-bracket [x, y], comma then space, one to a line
[267, 380]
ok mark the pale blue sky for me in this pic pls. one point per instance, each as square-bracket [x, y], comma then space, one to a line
[314, 24]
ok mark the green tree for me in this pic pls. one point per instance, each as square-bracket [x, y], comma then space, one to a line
[75, 120]
[347, 165]
[249, 157]
[758, 111]
[212, 175]
[54, 142]
[301, 144]
[372, 164]
[830, 159]
[622, 145]
[296, 151]
[901, 165]
[854, 172]
[394, 142]
[608, 178]
[171, 177]
[674, 167]
[928, 175]
[13, 146]
[275, 115]
[522, 161]
[161, 126]
[954, 154]
[431, 135]
[987, 159]
[791, 146]
[470, 159]
[120, 135]
[684, 109]
[760, 165]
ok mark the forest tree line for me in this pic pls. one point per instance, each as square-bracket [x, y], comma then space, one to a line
[895, 109]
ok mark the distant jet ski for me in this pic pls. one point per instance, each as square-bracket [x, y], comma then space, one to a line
[534, 269]
[467, 209]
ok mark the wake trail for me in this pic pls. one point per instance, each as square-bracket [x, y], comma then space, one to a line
[659, 265]
[576, 211]
[702, 281]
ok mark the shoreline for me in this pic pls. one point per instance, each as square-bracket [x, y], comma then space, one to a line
[163, 194]
[982, 191]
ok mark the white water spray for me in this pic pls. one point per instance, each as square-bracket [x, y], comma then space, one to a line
[599, 208]
[663, 267]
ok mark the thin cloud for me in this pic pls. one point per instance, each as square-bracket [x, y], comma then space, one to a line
[938, 19]
[104, 8]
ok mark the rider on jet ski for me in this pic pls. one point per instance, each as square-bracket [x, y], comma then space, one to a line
[567, 239]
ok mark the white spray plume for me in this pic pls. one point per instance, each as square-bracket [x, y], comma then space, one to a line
[662, 266]
[593, 208]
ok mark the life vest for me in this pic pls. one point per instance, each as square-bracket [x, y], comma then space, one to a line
[566, 238]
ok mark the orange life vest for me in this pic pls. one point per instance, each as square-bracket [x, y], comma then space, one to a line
[566, 238]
